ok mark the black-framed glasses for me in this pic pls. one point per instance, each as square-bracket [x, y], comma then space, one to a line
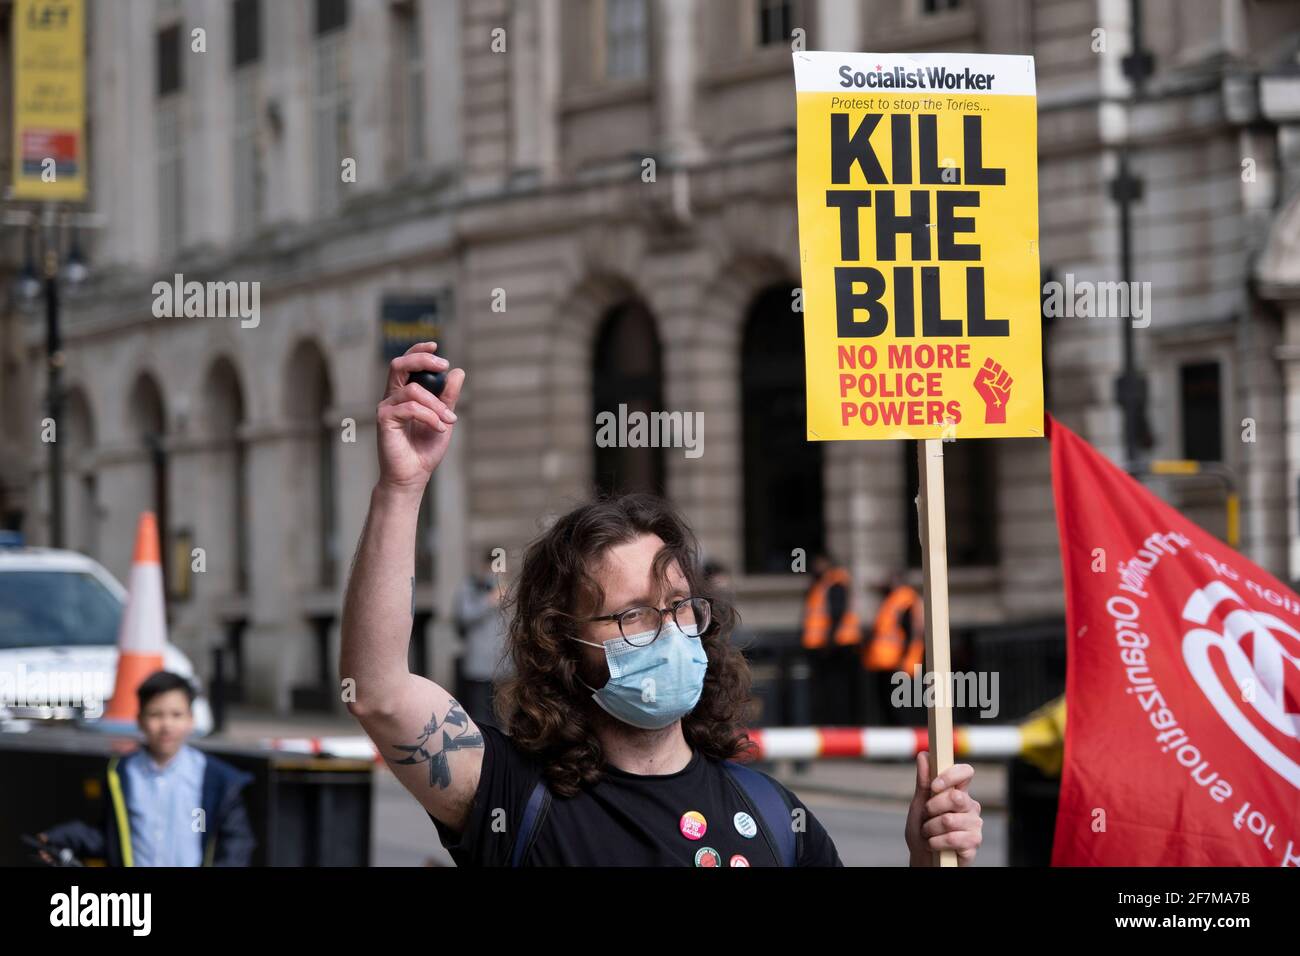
[642, 625]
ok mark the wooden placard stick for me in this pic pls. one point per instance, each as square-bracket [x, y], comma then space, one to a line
[934, 572]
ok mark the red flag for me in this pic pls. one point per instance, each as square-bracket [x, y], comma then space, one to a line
[1182, 688]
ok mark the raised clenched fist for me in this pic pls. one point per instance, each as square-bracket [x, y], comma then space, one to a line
[994, 386]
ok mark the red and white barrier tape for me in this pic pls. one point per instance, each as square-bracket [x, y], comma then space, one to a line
[353, 748]
[772, 743]
[880, 743]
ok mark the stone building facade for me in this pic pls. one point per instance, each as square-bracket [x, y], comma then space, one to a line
[604, 192]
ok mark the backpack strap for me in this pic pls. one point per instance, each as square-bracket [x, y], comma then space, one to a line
[539, 801]
[772, 809]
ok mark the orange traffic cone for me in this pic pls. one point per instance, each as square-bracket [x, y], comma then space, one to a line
[143, 634]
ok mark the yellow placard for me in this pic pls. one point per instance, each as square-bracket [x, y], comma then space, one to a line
[49, 100]
[918, 236]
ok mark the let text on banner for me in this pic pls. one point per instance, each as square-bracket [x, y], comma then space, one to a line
[49, 100]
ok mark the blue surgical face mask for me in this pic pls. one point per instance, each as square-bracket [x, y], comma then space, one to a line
[653, 685]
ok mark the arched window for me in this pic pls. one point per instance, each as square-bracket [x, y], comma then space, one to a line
[782, 469]
[627, 379]
[970, 494]
[224, 408]
[310, 399]
[78, 436]
[148, 418]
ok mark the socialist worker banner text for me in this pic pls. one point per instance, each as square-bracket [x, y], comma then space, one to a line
[918, 235]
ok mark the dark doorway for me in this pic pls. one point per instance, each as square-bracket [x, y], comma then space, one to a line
[782, 470]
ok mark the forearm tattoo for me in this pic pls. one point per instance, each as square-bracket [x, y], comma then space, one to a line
[432, 747]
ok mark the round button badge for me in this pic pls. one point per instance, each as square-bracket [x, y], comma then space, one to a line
[738, 860]
[745, 825]
[707, 856]
[693, 825]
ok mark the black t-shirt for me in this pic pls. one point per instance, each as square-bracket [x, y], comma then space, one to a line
[625, 819]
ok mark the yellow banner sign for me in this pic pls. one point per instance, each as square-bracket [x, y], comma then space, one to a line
[49, 100]
[918, 235]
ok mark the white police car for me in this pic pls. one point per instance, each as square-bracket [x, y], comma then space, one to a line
[59, 616]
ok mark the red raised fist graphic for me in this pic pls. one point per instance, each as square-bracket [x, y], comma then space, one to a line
[994, 386]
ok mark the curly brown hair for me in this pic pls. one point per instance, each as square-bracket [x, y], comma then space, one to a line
[544, 705]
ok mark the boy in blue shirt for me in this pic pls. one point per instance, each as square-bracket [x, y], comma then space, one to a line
[170, 804]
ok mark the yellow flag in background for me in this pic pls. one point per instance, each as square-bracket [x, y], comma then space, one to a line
[918, 235]
[49, 100]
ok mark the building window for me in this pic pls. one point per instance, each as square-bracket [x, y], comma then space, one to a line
[330, 118]
[775, 21]
[625, 39]
[78, 429]
[227, 465]
[782, 476]
[310, 405]
[169, 60]
[938, 6]
[149, 422]
[249, 183]
[326, 512]
[970, 497]
[247, 30]
[242, 511]
[1201, 399]
[627, 371]
[247, 166]
[170, 175]
[409, 84]
[331, 15]
[167, 130]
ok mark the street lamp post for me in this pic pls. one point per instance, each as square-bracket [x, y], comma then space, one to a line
[1125, 190]
[31, 287]
[54, 393]
[1131, 386]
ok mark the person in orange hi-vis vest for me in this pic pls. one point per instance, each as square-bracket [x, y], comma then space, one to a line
[897, 641]
[914, 659]
[893, 640]
[832, 634]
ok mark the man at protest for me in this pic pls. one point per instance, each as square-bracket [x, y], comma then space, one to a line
[626, 706]
[831, 634]
[897, 643]
[479, 620]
